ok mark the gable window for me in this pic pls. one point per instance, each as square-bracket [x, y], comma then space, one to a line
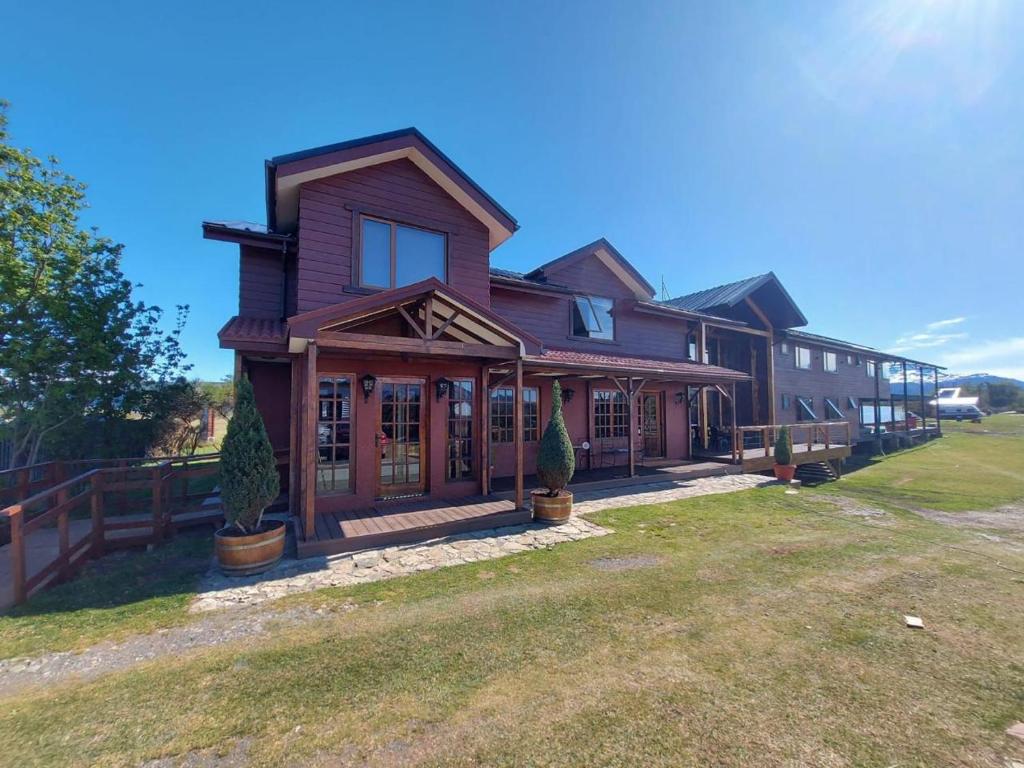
[831, 362]
[392, 255]
[592, 317]
[611, 414]
[832, 410]
[803, 358]
[805, 409]
[869, 368]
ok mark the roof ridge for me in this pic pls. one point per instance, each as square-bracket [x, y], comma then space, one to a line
[717, 287]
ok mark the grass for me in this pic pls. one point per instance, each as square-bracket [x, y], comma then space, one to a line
[768, 632]
[123, 594]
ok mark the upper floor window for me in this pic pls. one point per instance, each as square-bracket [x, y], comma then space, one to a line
[392, 255]
[803, 357]
[784, 348]
[831, 362]
[869, 369]
[592, 317]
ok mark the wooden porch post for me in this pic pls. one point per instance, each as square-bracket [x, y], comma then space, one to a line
[878, 409]
[906, 401]
[938, 418]
[518, 419]
[732, 397]
[702, 414]
[630, 447]
[920, 378]
[309, 451]
[770, 362]
[485, 430]
[294, 430]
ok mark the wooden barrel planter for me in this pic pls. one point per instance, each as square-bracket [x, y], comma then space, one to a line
[245, 554]
[553, 510]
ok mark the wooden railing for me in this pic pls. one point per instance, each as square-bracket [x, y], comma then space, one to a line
[120, 503]
[803, 433]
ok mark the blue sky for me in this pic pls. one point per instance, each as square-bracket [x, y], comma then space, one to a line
[870, 153]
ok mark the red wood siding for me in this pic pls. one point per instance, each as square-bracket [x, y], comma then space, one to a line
[548, 318]
[590, 275]
[271, 385]
[850, 381]
[325, 261]
[260, 283]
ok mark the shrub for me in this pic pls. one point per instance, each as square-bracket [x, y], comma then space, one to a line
[783, 447]
[248, 474]
[556, 460]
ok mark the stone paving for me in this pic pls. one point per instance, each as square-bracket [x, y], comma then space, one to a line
[293, 576]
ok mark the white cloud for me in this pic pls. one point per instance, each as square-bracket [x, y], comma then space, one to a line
[945, 323]
[999, 357]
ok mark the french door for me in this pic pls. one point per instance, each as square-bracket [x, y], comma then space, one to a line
[400, 438]
[652, 426]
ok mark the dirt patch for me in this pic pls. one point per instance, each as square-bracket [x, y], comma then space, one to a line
[856, 508]
[629, 563]
[206, 758]
[1009, 517]
[216, 629]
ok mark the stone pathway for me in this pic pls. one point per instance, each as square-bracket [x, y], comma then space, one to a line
[217, 591]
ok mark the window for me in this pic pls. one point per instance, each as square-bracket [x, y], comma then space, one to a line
[832, 410]
[805, 409]
[691, 347]
[592, 317]
[851, 403]
[502, 415]
[611, 414]
[531, 414]
[831, 362]
[869, 368]
[849, 359]
[460, 430]
[395, 254]
[334, 435]
[785, 402]
[784, 348]
[803, 358]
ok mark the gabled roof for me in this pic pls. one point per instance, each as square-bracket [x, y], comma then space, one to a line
[476, 319]
[254, 333]
[609, 256]
[768, 287]
[286, 172]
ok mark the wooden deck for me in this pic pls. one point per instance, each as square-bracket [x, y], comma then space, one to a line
[391, 523]
[755, 460]
[653, 471]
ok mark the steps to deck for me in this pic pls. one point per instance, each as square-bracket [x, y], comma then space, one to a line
[817, 472]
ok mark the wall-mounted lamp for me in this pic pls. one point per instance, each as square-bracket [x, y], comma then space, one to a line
[441, 387]
[567, 394]
[680, 396]
[369, 381]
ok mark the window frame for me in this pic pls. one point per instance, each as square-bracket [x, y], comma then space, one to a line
[796, 357]
[869, 368]
[590, 300]
[496, 432]
[352, 383]
[807, 403]
[617, 415]
[784, 348]
[832, 406]
[835, 361]
[452, 461]
[535, 427]
[394, 224]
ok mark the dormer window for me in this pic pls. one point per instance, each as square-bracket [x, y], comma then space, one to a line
[592, 318]
[392, 255]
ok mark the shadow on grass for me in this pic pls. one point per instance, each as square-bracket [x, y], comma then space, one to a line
[128, 577]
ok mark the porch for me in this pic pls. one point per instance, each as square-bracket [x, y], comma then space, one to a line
[753, 447]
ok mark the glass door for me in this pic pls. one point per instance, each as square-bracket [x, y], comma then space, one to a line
[399, 446]
[651, 426]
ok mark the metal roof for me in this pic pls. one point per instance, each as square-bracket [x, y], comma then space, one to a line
[726, 295]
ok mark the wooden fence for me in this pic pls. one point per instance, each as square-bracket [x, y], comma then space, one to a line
[806, 437]
[60, 521]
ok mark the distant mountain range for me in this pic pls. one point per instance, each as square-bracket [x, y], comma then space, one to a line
[969, 380]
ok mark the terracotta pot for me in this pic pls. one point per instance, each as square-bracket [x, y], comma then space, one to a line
[553, 510]
[785, 472]
[245, 554]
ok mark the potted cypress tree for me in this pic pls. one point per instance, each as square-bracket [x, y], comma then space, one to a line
[556, 463]
[248, 484]
[784, 466]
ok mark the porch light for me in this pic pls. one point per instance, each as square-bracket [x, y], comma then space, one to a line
[567, 394]
[680, 396]
[369, 381]
[441, 388]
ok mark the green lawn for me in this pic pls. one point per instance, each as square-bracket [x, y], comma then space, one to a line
[122, 594]
[761, 629]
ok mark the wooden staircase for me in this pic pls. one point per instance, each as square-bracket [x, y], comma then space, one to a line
[816, 473]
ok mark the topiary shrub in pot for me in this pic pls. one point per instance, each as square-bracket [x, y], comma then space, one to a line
[784, 466]
[556, 463]
[248, 484]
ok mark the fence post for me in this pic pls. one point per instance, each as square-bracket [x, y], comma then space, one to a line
[158, 510]
[17, 518]
[63, 534]
[24, 475]
[96, 510]
[764, 440]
